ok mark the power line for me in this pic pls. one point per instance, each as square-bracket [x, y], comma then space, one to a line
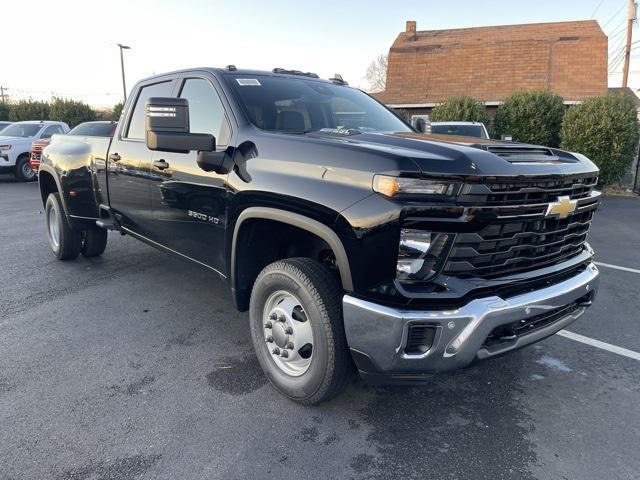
[620, 29]
[614, 16]
[613, 69]
[595, 10]
[58, 93]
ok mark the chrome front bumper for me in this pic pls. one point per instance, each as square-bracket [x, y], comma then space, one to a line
[377, 335]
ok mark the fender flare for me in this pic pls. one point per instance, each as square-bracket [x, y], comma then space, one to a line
[305, 223]
[51, 171]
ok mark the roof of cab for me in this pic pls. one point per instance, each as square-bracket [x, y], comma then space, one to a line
[236, 72]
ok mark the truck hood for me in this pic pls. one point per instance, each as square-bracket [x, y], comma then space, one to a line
[15, 140]
[435, 155]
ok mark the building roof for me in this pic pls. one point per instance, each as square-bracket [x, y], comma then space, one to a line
[490, 63]
[627, 91]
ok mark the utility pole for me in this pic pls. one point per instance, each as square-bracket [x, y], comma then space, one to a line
[124, 85]
[631, 17]
[2, 90]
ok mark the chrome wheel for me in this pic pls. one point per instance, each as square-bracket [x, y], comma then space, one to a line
[27, 172]
[287, 333]
[53, 225]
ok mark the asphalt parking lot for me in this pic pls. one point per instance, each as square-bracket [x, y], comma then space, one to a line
[136, 366]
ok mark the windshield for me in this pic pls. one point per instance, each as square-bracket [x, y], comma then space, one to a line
[462, 130]
[94, 129]
[299, 105]
[22, 130]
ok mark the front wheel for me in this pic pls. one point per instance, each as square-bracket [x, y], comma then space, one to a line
[64, 240]
[23, 171]
[297, 330]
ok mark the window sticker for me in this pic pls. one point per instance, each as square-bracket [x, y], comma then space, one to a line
[248, 82]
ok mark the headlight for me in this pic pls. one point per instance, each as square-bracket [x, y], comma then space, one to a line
[390, 186]
[5, 147]
[420, 254]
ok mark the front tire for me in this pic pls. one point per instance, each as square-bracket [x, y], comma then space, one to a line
[297, 330]
[23, 171]
[64, 240]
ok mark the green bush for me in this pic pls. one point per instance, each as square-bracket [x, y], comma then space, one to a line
[71, 111]
[4, 111]
[460, 109]
[29, 110]
[605, 129]
[531, 117]
[117, 111]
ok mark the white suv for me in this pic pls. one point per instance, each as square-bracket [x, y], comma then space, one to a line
[15, 145]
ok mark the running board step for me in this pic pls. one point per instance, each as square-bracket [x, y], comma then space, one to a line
[107, 224]
[106, 219]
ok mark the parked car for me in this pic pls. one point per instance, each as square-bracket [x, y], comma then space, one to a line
[354, 241]
[4, 125]
[463, 129]
[15, 145]
[91, 129]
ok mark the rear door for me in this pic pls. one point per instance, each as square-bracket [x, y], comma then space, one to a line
[189, 204]
[129, 162]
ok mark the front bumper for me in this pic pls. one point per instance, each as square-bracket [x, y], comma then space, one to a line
[377, 335]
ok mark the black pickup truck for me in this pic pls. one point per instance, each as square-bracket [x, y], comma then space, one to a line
[352, 239]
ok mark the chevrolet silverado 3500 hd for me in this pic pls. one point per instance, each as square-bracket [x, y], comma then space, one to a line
[352, 239]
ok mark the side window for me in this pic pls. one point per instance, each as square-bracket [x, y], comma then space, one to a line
[51, 130]
[136, 124]
[206, 113]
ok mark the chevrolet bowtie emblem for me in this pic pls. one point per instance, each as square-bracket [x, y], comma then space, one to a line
[562, 207]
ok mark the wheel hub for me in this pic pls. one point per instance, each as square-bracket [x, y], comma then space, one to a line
[287, 333]
[279, 335]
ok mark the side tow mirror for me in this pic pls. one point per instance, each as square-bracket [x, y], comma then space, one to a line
[421, 125]
[167, 127]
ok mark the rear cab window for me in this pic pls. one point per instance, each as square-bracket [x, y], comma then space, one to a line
[206, 112]
[136, 126]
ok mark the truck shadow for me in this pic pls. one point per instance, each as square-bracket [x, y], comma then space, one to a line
[466, 424]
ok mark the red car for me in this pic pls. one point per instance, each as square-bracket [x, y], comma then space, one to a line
[36, 152]
[86, 129]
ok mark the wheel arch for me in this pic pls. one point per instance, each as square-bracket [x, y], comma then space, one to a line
[48, 182]
[301, 222]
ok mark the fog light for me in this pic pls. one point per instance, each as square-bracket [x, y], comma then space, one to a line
[419, 254]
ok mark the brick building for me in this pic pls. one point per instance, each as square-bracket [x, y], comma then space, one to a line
[490, 63]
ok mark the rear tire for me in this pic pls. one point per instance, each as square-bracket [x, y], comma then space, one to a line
[64, 240]
[302, 302]
[23, 171]
[94, 242]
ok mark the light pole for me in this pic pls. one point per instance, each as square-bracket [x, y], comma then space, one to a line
[124, 85]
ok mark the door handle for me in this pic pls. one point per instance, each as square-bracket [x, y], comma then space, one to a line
[160, 164]
[114, 157]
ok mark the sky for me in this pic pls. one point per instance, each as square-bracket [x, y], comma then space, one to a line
[68, 48]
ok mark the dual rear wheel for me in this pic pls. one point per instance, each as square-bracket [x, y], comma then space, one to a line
[66, 242]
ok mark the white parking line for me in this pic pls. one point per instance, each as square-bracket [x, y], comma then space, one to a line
[624, 269]
[598, 344]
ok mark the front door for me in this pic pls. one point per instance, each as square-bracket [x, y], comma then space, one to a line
[189, 204]
[129, 164]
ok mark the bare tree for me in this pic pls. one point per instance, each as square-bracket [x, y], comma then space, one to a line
[377, 74]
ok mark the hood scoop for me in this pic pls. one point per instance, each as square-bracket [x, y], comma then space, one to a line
[516, 153]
